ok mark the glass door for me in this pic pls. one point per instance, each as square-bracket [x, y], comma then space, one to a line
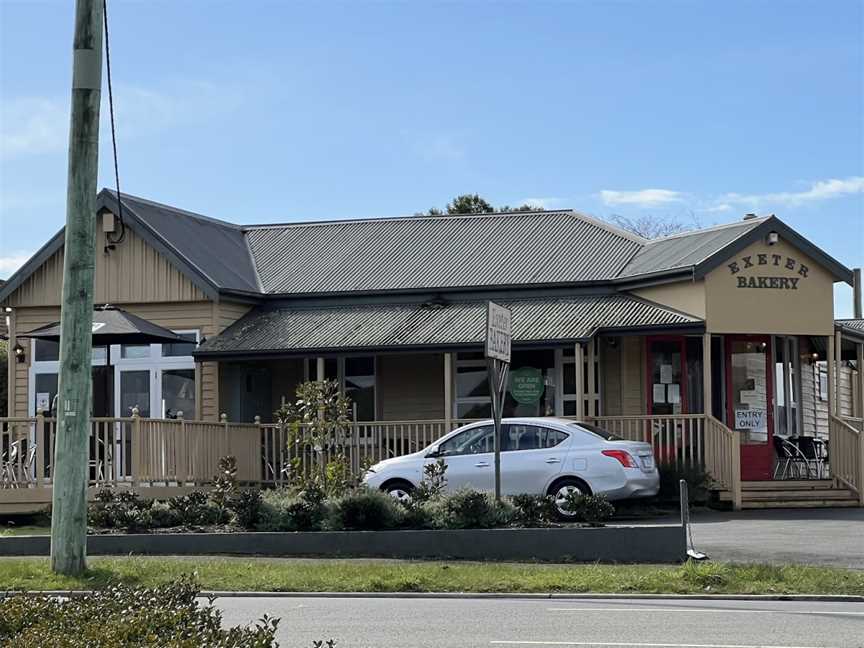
[750, 411]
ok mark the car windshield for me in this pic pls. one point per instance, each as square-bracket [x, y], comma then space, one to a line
[603, 434]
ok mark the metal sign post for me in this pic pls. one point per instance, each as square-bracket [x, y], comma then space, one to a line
[499, 334]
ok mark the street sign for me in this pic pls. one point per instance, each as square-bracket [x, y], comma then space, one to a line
[499, 332]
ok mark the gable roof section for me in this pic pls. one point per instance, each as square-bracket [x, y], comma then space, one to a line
[212, 249]
[701, 251]
[213, 254]
[513, 249]
[364, 327]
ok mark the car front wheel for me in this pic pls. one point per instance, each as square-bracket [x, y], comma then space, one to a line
[398, 490]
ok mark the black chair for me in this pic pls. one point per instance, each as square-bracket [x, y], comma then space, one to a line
[791, 462]
[814, 451]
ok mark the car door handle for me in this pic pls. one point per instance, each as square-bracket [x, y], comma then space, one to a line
[482, 464]
[553, 460]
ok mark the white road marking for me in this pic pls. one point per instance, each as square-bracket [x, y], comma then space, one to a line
[634, 645]
[715, 610]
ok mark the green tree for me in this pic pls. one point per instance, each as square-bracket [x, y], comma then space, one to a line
[475, 204]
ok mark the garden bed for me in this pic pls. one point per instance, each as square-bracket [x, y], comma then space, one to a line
[620, 544]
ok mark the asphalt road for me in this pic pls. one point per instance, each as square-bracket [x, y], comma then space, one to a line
[618, 623]
[815, 536]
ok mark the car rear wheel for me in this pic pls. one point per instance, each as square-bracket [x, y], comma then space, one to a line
[561, 489]
[398, 489]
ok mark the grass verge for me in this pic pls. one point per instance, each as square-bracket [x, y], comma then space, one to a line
[275, 575]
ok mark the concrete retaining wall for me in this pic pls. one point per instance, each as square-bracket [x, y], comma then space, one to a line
[654, 543]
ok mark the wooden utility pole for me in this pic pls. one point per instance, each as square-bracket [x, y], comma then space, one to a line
[69, 470]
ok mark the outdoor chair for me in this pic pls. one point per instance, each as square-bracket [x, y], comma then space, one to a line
[17, 468]
[815, 453]
[791, 462]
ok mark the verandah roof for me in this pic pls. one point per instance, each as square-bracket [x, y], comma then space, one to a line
[346, 328]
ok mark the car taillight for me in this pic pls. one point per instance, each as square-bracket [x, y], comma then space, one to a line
[624, 458]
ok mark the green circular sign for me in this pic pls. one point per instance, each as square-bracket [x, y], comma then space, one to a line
[526, 385]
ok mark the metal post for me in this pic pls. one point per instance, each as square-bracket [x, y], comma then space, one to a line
[831, 386]
[856, 294]
[497, 384]
[69, 499]
[11, 362]
[579, 361]
[838, 370]
[448, 392]
[707, 387]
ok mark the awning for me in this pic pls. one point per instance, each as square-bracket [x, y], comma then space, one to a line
[381, 327]
[114, 326]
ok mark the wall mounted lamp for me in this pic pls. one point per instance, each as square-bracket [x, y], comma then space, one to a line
[19, 353]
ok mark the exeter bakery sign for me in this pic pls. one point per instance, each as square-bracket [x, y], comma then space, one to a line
[759, 271]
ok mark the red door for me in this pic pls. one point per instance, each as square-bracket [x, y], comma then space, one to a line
[749, 402]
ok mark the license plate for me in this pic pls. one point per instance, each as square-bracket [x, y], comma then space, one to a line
[648, 463]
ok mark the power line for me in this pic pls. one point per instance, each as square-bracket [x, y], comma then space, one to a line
[113, 131]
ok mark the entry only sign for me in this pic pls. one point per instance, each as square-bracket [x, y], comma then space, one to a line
[499, 332]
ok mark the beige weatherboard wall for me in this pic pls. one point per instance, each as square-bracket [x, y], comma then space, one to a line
[770, 289]
[685, 296]
[138, 278]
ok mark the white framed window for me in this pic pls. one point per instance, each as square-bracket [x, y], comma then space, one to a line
[157, 379]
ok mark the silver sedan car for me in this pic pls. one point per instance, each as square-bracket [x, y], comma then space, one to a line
[551, 456]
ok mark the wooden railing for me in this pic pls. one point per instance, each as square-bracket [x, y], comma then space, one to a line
[681, 440]
[846, 455]
[137, 451]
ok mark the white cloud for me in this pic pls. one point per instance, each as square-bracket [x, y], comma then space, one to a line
[32, 126]
[9, 263]
[550, 202]
[40, 125]
[641, 198]
[821, 190]
[722, 207]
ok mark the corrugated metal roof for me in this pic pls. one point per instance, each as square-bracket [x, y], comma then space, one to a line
[295, 330]
[686, 249]
[438, 252]
[216, 248]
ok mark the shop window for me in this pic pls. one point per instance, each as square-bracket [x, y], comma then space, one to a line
[134, 351]
[360, 386]
[46, 351]
[178, 393]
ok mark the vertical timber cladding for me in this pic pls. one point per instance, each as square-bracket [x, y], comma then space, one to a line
[770, 289]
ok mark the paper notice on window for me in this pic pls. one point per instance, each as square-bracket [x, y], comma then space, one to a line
[43, 401]
[659, 395]
[748, 396]
[666, 374]
[750, 419]
[674, 393]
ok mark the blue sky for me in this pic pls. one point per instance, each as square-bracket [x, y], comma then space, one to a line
[277, 111]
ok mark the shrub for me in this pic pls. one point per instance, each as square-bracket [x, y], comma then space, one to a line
[120, 510]
[366, 509]
[195, 509]
[593, 510]
[245, 507]
[433, 483]
[470, 509]
[697, 478]
[167, 616]
[282, 509]
[225, 483]
[532, 510]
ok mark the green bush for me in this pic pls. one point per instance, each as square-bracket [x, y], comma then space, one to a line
[593, 510]
[366, 509]
[531, 511]
[168, 616]
[469, 509]
[196, 509]
[121, 510]
[282, 509]
[245, 507]
[697, 478]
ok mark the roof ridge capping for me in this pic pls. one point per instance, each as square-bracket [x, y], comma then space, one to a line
[753, 222]
[424, 217]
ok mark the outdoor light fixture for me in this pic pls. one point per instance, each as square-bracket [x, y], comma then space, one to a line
[773, 238]
[19, 353]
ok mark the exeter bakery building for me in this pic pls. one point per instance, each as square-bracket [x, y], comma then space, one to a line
[717, 345]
